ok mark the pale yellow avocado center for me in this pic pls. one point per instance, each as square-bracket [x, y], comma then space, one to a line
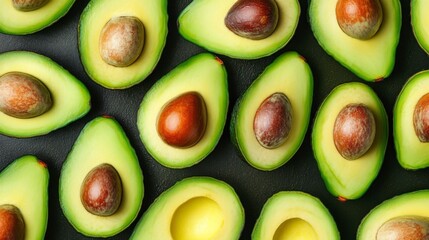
[197, 218]
[296, 229]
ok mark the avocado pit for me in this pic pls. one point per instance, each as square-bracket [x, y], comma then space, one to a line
[403, 228]
[121, 41]
[23, 95]
[253, 19]
[182, 121]
[360, 19]
[354, 131]
[101, 190]
[11, 223]
[28, 5]
[421, 118]
[273, 121]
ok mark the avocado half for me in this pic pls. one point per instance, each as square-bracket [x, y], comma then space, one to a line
[295, 215]
[153, 15]
[412, 204]
[203, 73]
[193, 208]
[419, 20]
[71, 99]
[17, 22]
[372, 59]
[288, 74]
[24, 184]
[348, 179]
[410, 152]
[101, 141]
[202, 22]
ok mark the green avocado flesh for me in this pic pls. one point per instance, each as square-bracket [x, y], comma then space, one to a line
[153, 15]
[204, 74]
[101, 141]
[411, 153]
[71, 99]
[419, 22]
[17, 22]
[202, 23]
[24, 184]
[288, 74]
[407, 204]
[295, 215]
[193, 208]
[348, 179]
[372, 59]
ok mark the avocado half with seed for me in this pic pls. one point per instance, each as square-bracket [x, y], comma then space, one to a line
[344, 178]
[411, 150]
[70, 97]
[290, 76]
[151, 14]
[419, 20]
[203, 75]
[372, 59]
[21, 22]
[402, 215]
[193, 208]
[295, 215]
[202, 22]
[101, 142]
[24, 185]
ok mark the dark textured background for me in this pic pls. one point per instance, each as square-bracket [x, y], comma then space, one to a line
[254, 187]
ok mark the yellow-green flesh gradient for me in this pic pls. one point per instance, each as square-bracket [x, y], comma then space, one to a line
[372, 59]
[193, 208]
[17, 22]
[295, 215]
[153, 15]
[411, 153]
[288, 74]
[101, 141]
[348, 179]
[408, 204]
[202, 22]
[71, 99]
[203, 73]
[419, 22]
[24, 184]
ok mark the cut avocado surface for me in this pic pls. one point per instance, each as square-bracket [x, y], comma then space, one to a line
[348, 179]
[407, 204]
[411, 152]
[372, 59]
[101, 141]
[193, 208]
[419, 20]
[153, 15]
[71, 99]
[288, 74]
[204, 74]
[13, 21]
[202, 22]
[295, 215]
[24, 184]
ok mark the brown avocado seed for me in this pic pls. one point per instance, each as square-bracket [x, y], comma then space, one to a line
[354, 131]
[253, 19]
[182, 121]
[28, 5]
[359, 19]
[421, 118]
[12, 225]
[23, 95]
[273, 121]
[121, 41]
[404, 228]
[101, 190]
